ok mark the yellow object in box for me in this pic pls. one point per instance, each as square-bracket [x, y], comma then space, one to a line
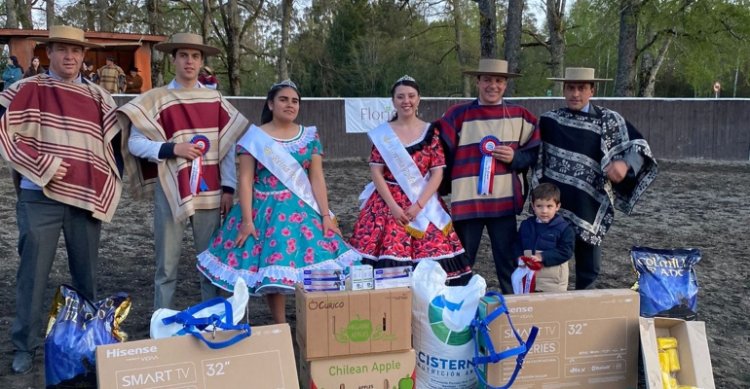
[669, 359]
[669, 381]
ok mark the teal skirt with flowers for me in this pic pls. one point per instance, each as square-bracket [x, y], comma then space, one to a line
[290, 240]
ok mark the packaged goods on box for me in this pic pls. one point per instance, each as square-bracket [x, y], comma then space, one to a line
[343, 323]
[360, 278]
[265, 358]
[675, 354]
[323, 279]
[586, 339]
[384, 370]
[393, 277]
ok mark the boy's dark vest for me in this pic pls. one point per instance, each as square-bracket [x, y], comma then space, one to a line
[541, 236]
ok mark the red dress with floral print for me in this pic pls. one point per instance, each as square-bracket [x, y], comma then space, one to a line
[383, 243]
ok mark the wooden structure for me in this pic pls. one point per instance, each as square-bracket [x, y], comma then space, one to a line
[708, 129]
[129, 50]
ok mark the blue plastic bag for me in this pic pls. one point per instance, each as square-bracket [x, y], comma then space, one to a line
[667, 283]
[76, 327]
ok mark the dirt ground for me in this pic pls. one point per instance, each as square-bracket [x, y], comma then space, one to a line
[692, 204]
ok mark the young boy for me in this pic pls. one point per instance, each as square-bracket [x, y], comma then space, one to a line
[547, 238]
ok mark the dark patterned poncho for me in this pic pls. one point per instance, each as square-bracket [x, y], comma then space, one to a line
[576, 147]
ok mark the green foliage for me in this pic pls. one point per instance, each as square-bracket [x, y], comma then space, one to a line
[360, 47]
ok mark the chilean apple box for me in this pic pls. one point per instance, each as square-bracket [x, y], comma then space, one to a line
[383, 370]
[343, 323]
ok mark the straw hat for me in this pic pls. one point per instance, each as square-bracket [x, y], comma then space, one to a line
[69, 35]
[186, 40]
[579, 75]
[493, 67]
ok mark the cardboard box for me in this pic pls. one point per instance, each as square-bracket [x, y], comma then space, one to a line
[266, 359]
[692, 348]
[333, 324]
[377, 371]
[586, 339]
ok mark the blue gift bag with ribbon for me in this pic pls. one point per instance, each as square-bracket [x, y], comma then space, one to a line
[76, 327]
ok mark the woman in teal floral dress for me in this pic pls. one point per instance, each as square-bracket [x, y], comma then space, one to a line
[275, 231]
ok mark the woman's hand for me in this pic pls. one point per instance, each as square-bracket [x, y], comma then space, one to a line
[413, 211]
[401, 218]
[246, 229]
[329, 225]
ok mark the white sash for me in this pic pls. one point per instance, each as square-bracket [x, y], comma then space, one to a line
[409, 178]
[280, 163]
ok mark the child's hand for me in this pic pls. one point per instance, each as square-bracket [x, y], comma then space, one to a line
[537, 257]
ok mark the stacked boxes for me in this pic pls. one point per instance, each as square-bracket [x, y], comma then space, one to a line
[366, 335]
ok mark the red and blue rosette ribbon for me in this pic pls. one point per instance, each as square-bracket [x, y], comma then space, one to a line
[197, 182]
[487, 165]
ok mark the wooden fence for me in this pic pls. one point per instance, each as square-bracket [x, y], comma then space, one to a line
[711, 129]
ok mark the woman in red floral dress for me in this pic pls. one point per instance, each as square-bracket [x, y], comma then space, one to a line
[380, 233]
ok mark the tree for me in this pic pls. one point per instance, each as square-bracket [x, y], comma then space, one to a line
[286, 20]
[513, 41]
[230, 15]
[11, 20]
[488, 28]
[458, 22]
[556, 47]
[50, 13]
[627, 48]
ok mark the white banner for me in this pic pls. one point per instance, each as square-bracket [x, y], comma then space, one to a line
[363, 114]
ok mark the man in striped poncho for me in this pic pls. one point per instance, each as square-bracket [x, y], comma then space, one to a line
[59, 131]
[489, 143]
[181, 151]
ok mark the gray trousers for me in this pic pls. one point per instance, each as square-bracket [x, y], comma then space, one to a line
[40, 220]
[168, 237]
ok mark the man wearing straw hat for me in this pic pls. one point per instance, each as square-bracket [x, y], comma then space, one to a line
[598, 160]
[59, 132]
[489, 143]
[181, 141]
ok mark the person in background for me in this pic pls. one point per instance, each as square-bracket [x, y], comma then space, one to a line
[399, 229]
[547, 239]
[34, 69]
[489, 144]
[185, 159]
[87, 71]
[599, 162]
[282, 224]
[208, 78]
[12, 72]
[111, 77]
[133, 81]
[60, 135]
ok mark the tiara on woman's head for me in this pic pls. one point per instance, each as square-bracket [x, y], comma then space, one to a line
[284, 83]
[406, 77]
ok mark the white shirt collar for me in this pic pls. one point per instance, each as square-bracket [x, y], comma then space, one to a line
[76, 80]
[176, 85]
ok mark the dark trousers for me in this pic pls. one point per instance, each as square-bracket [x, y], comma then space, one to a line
[40, 220]
[588, 262]
[503, 234]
